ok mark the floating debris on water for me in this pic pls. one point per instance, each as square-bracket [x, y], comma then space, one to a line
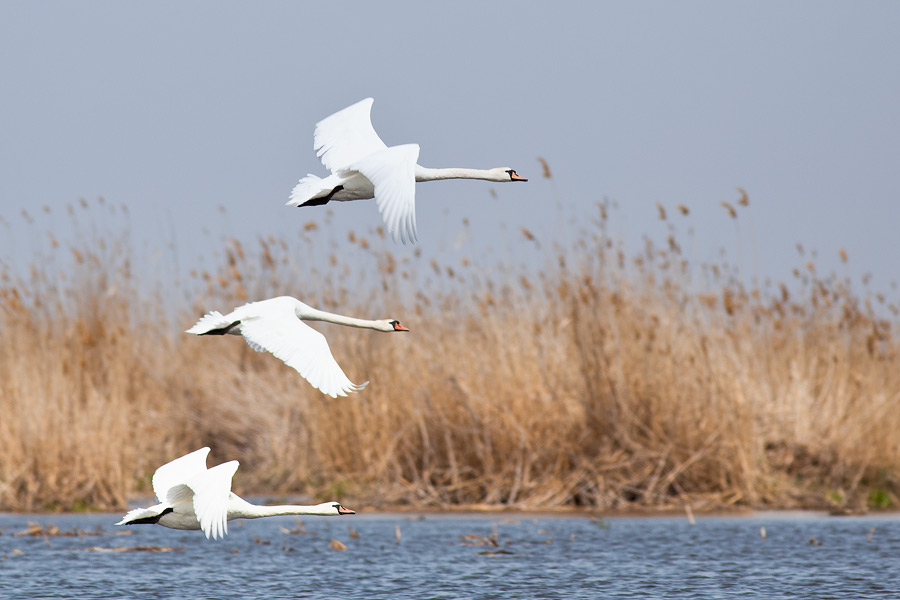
[337, 545]
[35, 529]
[299, 529]
[135, 549]
[473, 539]
[494, 552]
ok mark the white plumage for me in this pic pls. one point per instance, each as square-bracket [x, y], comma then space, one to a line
[362, 166]
[274, 326]
[194, 497]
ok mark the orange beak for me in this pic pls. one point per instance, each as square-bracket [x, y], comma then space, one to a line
[517, 177]
[399, 327]
[345, 511]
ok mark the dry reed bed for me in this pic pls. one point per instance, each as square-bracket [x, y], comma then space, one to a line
[603, 380]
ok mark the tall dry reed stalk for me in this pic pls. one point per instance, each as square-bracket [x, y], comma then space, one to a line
[603, 380]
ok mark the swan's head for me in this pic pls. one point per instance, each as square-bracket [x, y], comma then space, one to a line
[341, 510]
[390, 325]
[327, 509]
[506, 174]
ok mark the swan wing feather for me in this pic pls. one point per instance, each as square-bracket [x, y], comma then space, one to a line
[178, 494]
[178, 471]
[346, 136]
[212, 489]
[302, 348]
[392, 172]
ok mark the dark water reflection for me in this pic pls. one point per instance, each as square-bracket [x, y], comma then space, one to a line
[548, 557]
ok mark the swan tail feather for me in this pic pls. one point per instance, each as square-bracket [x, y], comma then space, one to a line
[143, 516]
[309, 191]
[212, 322]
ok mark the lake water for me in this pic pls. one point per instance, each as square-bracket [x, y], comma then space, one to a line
[537, 557]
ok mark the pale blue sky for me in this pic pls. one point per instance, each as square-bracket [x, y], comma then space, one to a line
[176, 108]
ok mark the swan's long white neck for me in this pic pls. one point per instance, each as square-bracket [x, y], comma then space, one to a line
[241, 509]
[426, 174]
[308, 313]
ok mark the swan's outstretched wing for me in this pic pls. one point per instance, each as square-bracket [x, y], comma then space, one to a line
[346, 136]
[393, 173]
[178, 471]
[212, 489]
[300, 347]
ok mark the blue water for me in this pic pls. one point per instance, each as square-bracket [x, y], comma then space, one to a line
[548, 557]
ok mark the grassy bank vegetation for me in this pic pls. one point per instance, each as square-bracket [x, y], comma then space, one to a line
[605, 379]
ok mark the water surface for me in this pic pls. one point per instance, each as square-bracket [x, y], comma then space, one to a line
[536, 557]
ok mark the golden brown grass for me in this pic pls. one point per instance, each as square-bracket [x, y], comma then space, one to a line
[603, 380]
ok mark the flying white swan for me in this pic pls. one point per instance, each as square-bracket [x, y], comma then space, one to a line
[362, 166]
[194, 497]
[274, 326]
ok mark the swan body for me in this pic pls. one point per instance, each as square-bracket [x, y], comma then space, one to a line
[194, 497]
[274, 326]
[362, 167]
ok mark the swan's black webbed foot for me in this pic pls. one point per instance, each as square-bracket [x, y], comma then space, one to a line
[321, 201]
[151, 520]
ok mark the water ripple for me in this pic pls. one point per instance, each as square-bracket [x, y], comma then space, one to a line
[565, 557]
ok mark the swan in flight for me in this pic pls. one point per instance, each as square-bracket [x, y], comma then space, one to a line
[194, 497]
[274, 326]
[362, 166]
